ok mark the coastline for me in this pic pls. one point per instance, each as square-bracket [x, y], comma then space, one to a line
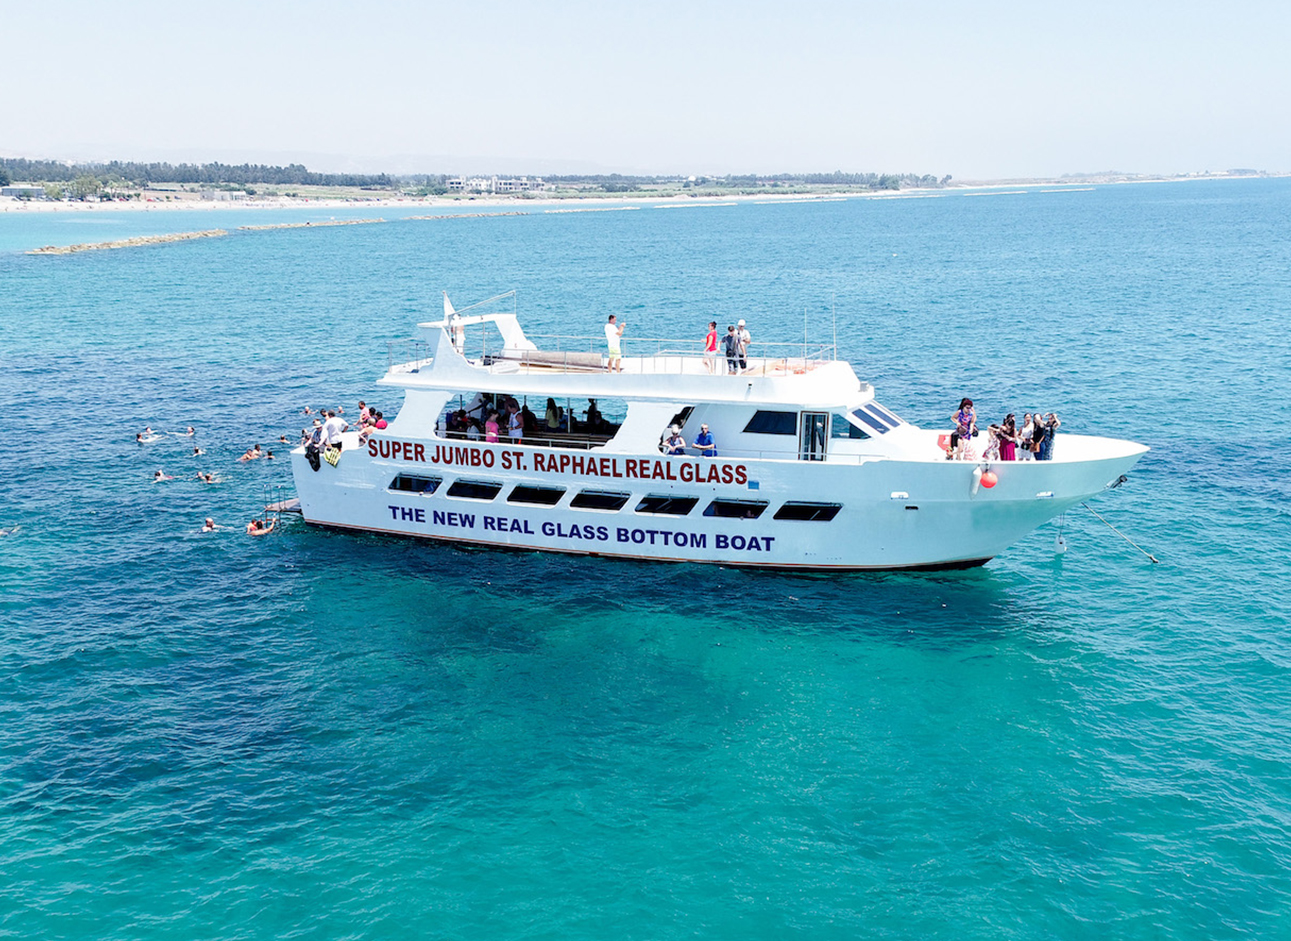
[432, 203]
[192, 202]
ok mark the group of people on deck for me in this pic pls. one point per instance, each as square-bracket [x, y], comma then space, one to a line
[734, 345]
[1006, 441]
[329, 426]
[675, 444]
[494, 416]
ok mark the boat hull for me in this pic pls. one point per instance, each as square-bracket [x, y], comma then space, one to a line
[892, 514]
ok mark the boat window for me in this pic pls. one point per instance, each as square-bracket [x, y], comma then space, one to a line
[542, 496]
[840, 427]
[474, 489]
[816, 512]
[882, 412]
[599, 500]
[736, 509]
[411, 483]
[682, 417]
[666, 504]
[766, 422]
[868, 419]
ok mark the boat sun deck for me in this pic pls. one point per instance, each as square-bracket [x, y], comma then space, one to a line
[552, 355]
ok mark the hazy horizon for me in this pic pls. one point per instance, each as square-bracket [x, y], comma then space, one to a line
[1001, 91]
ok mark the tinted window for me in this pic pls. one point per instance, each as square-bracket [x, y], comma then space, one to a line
[772, 423]
[672, 506]
[840, 427]
[868, 419]
[885, 413]
[474, 489]
[818, 512]
[736, 509]
[543, 496]
[410, 483]
[681, 417]
[599, 500]
[881, 414]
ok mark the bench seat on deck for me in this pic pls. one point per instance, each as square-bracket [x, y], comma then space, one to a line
[556, 358]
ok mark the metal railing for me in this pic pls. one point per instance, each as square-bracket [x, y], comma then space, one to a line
[405, 356]
[671, 355]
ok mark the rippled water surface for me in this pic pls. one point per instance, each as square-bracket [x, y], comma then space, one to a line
[339, 736]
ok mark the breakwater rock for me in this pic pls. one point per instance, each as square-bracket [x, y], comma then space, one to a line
[307, 225]
[127, 243]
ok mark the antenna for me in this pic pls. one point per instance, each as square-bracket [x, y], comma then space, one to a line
[833, 308]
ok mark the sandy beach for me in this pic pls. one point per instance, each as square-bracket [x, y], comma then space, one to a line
[193, 203]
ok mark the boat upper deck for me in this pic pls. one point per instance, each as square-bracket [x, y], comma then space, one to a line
[464, 353]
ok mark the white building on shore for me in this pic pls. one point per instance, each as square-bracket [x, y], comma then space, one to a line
[494, 184]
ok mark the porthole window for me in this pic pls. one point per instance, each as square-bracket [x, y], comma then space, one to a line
[812, 512]
[736, 509]
[540, 496]
[411, 483]
[599, 500]
[667, 504]
[474, 489]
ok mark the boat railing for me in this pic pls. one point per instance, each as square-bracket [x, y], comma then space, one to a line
[654, 356]
[595, 442]
[408, 356]
[641, 356]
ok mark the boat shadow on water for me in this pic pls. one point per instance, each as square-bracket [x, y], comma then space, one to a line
[525, 587]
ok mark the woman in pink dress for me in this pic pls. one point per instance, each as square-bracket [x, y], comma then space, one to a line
[1008, 438]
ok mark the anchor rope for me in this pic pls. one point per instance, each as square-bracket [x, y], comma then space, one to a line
[1121, 534]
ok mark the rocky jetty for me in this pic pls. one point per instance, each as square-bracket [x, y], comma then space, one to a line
[127, 243]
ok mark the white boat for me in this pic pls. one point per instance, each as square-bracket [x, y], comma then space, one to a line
[807, 470]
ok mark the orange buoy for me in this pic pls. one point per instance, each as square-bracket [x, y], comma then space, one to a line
[989, 480]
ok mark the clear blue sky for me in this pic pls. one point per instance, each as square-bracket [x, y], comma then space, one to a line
[982, 90]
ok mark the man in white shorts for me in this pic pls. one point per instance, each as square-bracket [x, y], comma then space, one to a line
[613, 335]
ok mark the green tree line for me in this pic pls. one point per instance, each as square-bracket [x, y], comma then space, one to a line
[52, 171]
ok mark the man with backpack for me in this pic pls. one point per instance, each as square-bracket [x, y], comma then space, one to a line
[731, 347]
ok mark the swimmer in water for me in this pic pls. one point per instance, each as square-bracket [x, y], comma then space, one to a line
[197, 451]
[209, 526]
[258, 528]
[9, 530]
[160, 476]
[206, 478]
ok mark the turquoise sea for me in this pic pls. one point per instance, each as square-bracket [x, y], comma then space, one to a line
[325, 735]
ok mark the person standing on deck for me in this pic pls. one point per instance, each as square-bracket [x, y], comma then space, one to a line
[704, 442]
[710, 347]
[746, 339]
[515, 422]
[1051, 425]
[613, 338]
[332, 429]
[731, 347]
